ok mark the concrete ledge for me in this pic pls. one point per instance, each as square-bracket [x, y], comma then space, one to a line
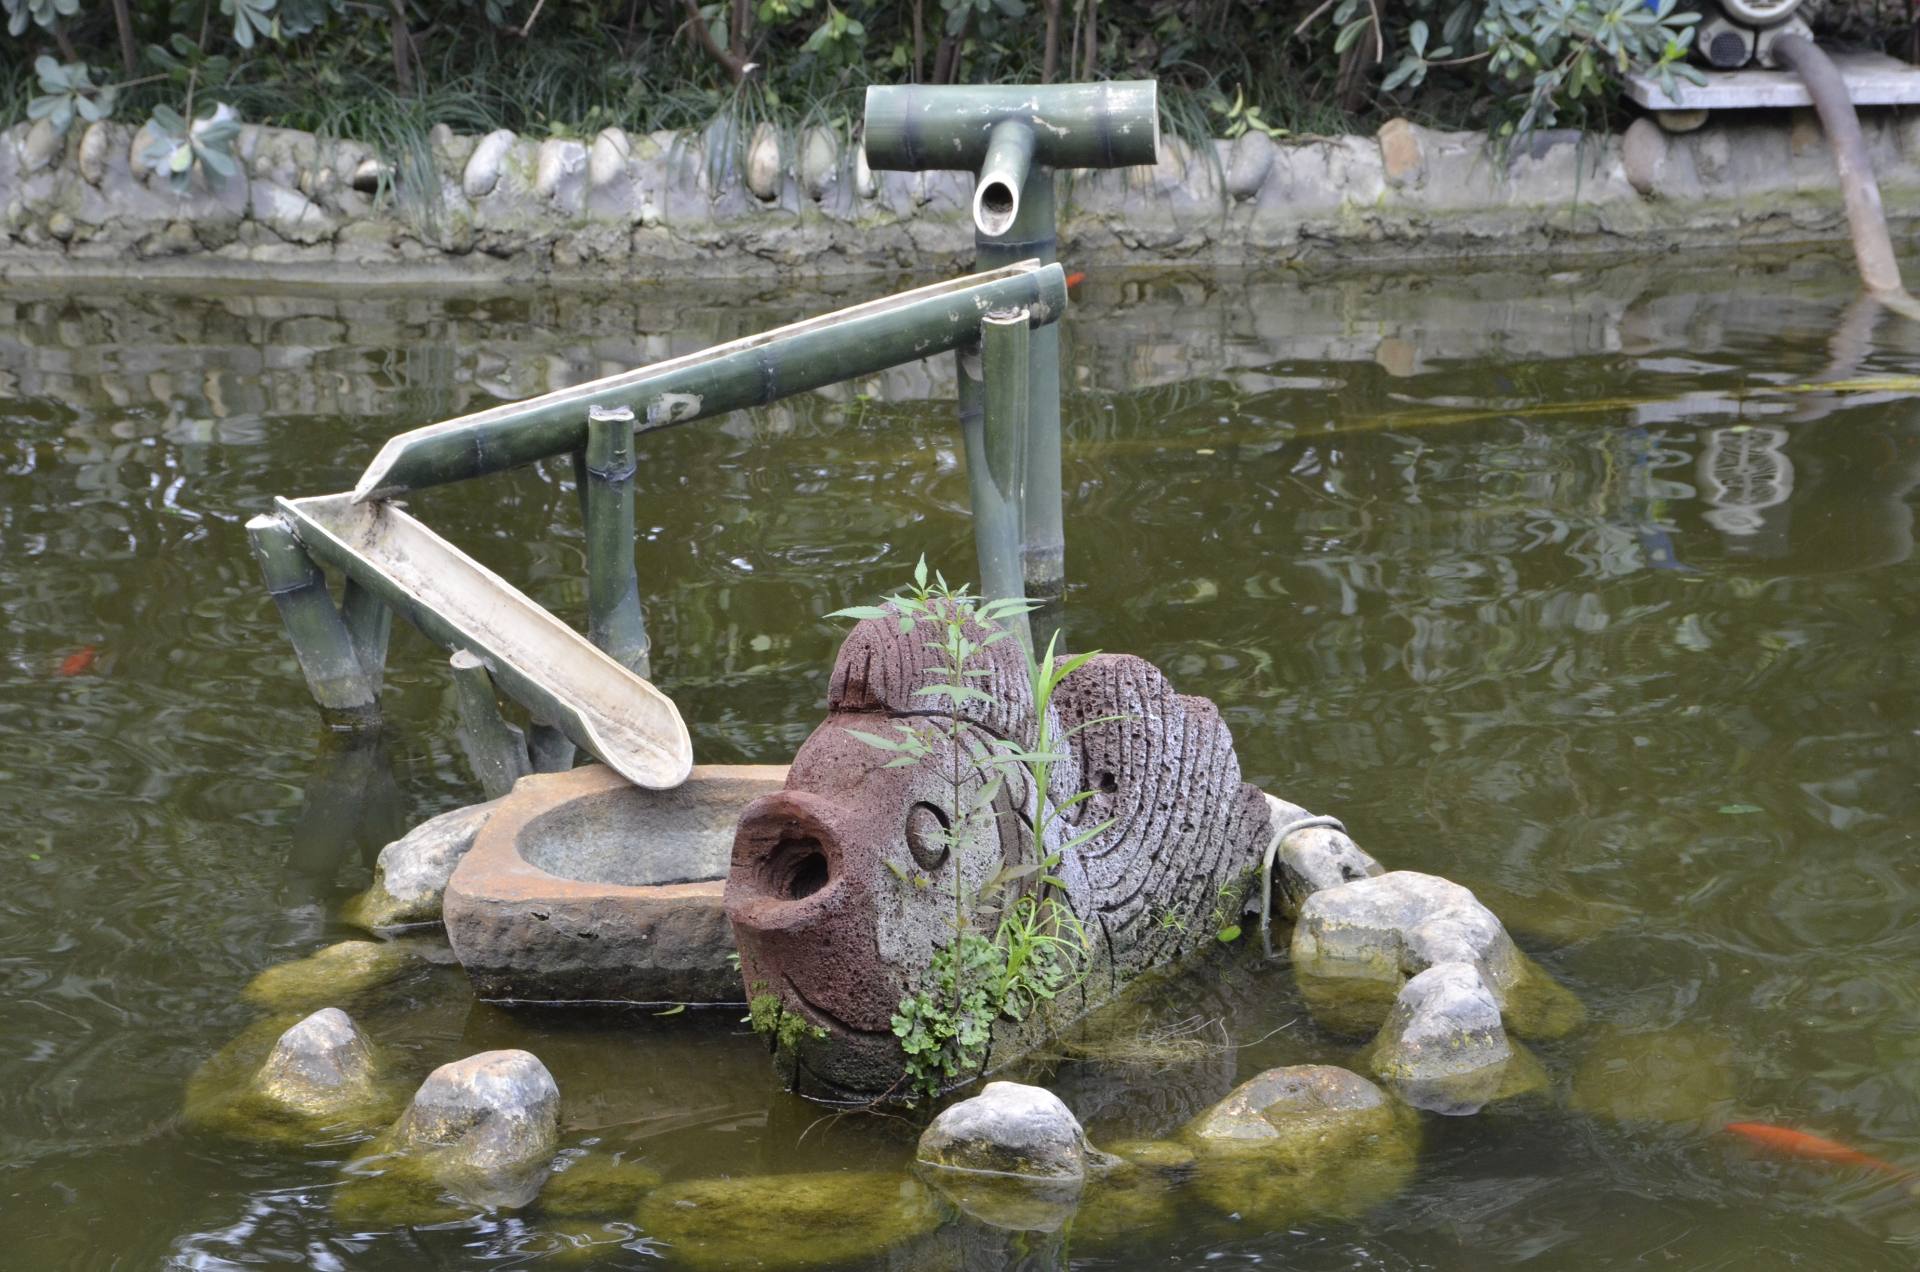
[660, 206]
[583, 888]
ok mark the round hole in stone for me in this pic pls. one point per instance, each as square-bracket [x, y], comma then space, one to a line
[796, 867]
[927, 836]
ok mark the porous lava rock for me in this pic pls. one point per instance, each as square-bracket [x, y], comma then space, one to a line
[841, 884]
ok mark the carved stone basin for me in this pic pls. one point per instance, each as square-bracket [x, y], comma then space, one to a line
[583, 888]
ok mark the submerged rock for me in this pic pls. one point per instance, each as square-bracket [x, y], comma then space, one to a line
[411, 875]
[1305, 1141]
[1355, 944]
[1008, 1129]
[788, 1221]
[310, 1080]
[596, 1185]
[1681, 1075]
[330, 975]
[1443, 1048]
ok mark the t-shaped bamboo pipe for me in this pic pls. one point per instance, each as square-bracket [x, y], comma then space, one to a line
[1013, 137]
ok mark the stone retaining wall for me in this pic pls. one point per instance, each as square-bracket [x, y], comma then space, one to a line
[633, 207]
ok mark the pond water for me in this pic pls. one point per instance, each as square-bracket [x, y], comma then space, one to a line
[1567, 586]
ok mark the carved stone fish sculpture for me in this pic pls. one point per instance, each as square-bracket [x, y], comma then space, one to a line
[842, 887]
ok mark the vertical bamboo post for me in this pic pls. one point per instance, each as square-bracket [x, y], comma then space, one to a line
[996, 440]
[321, 641]
[1043, 547]
[615, 620]
[369, 623]
[496, 750]
[551, 749]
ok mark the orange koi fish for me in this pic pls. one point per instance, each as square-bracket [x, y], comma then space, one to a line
[1076, 278]
[1784, 1141]
[78, 661]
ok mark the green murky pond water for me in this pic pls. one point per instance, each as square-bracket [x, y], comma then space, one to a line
[1553, 584]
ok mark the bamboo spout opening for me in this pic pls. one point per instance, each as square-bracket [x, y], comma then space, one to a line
[996, 195]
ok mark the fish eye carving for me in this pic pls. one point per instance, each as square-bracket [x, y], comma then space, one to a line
[927, 836]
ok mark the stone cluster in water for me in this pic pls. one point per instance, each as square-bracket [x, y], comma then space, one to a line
[1411, 961]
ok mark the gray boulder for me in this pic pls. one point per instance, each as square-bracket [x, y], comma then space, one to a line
[482, 172]
[1444, 1048]
[321, 1067]
[411, 875]
[1355, 944]
[486, 1126]
[1008, 1129]
[1315, 859]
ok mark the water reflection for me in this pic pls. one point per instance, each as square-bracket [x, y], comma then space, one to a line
[1560, 585]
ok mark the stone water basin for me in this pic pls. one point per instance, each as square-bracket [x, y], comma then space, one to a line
[582, 888]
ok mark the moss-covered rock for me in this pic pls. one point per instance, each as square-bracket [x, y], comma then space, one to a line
[411, 875]
[1009, 1129]
[1680, 1075]
[596, 1185]
[1136, 1194]
[788, 1221]
[294, 1082]
[1303, 1142]
[332, 975]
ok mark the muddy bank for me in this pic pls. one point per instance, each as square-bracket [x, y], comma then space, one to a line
[659, 206]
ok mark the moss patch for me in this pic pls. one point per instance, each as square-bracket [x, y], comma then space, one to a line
[222, 1098]
[597, 1185]
[1681, 1075]
[331, 976]
[788, 1221]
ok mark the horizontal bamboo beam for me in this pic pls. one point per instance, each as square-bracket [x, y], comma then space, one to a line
[844, 345]
[918, 127]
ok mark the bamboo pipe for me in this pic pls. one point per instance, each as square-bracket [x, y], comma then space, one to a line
[1013, 137]
[917, 127]
[996, 455]
[615, 620]
[806, 355]
[1866, 219]
[321, 641]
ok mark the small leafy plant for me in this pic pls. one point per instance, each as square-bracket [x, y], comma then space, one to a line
[66, 90]
[1016, 945]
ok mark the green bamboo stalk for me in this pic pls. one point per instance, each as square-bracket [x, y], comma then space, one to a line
[996, 454]
[552, 750]
[369, 622]
[1003, 171]
[335, 675]
[1043, 548]
[496, 751]
[615, 619]
[854, 342]
[914, 127]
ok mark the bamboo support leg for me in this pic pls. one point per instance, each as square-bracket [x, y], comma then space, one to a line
[552, 750]
[321, 640]
[615, 620]
[369, 623]
[996, 455]
[496, 750]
